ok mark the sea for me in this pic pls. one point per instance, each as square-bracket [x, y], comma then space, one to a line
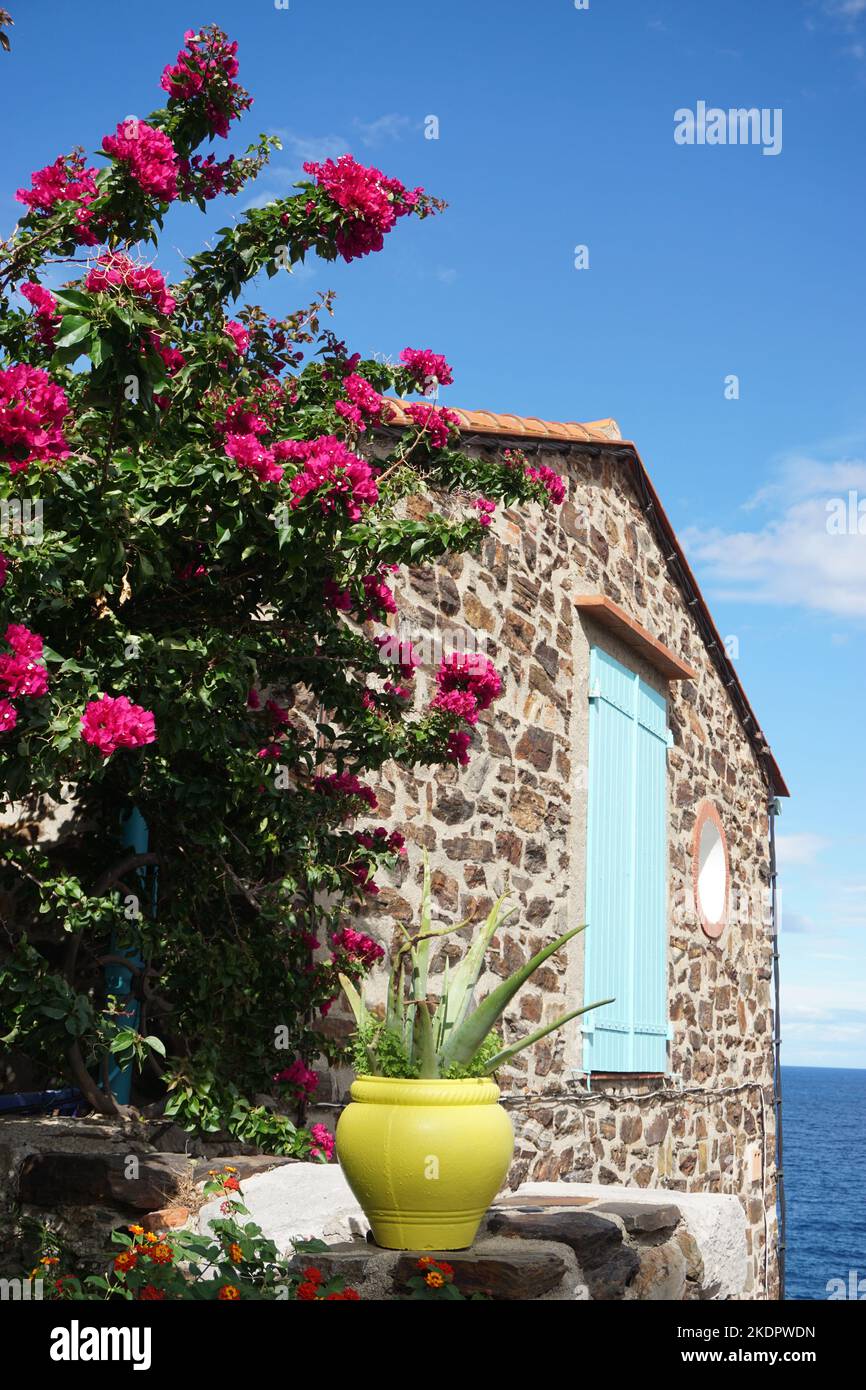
[824, 1141]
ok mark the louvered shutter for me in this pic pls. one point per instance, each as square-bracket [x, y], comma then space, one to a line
[626, 880]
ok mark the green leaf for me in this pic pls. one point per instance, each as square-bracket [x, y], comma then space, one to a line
[73, 329]
[507, 1053]
[466, 1039]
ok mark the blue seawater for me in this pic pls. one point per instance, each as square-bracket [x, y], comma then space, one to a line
[824, 1133]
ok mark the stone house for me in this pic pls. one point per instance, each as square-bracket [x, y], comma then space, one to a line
[622, 780]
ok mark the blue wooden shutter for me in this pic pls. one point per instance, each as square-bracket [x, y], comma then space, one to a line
[626, 878]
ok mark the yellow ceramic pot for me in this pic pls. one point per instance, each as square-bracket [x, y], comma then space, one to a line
[424, 1158]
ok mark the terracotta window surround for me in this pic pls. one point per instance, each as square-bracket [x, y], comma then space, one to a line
[609, 615]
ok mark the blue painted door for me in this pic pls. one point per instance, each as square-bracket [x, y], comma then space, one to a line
[626, 875]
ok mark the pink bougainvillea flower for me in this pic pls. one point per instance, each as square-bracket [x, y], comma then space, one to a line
[113, 270]
[204, 74]
[47, 314]
[206, 178]
[250, 454]
[472, 672]
[361, 949]
[24, 642]
[345, 784]
[8, 717]
[363, 404]
[239, 336]
[457, 749]
[23, 672]
[380, 838]
[149, 155]
[552, 483]
[434, 422]
[113, 722]
[300, 1078]
[379, 598]
[172, 357]
[460, 703]
[32, 410]
[335, 597]
[337, 478]
[372, 201]
[324, 1143]
[399, 652]
[67, 180]
[485, 507]
[427, 369]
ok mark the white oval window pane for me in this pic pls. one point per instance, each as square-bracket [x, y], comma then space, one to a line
[711, 873]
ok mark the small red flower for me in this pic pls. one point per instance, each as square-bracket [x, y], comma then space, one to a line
[125, 1262]
[229, 1292]
[161, 1254]
[307, 1292]
[151, 1293]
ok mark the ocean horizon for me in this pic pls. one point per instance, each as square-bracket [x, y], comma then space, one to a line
[824, 1129]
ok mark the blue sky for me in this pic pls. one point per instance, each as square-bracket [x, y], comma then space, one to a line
[556, 129]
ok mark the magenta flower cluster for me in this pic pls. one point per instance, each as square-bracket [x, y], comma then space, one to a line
[204, 72]
[433, 422]
[333, 474]
[468, 683]
[299, 1077]
[113, 270]
[46, 315]
[552, 482]
[372, 201]
[113, 722]
[32, 411]
[363, 405]
[345, 784]
[426, 368]
[148, 154]
[67, 180]
[361, 950]
[22, 671]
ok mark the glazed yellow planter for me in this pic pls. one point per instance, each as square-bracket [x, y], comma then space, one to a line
[424, 1158]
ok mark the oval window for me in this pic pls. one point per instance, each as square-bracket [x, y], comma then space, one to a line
[711, 874]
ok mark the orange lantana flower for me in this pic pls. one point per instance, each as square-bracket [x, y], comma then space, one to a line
[229, 1291]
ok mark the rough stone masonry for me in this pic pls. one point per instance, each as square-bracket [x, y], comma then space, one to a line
[517, 816]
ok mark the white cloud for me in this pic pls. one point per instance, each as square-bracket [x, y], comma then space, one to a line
[799, 849]
[384, 129]
[798, 555]
[316, 148]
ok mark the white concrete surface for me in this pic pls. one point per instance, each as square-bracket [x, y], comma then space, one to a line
[309, 1201]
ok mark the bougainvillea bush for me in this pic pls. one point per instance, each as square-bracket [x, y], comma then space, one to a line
[200, 633]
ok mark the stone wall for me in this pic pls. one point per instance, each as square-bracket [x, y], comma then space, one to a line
[516, 817]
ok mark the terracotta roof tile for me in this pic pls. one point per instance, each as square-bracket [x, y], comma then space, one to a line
[528, 426]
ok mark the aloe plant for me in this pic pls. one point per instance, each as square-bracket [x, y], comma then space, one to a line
[457, 1036]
